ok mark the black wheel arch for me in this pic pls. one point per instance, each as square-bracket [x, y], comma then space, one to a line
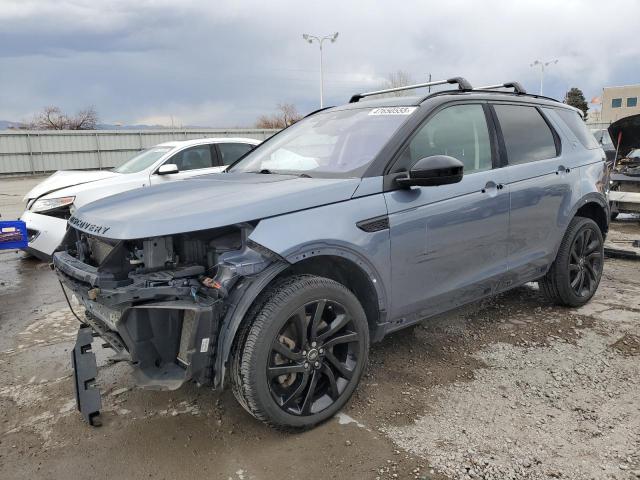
[336, 263]
[596, 207]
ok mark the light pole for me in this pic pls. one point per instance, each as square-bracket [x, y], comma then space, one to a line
[542, 67]
[310, 39]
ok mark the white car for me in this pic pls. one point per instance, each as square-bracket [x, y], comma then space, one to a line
[51, 202]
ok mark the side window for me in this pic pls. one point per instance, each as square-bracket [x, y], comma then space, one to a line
[616, 102]
[192, 158]
[578, 127]
[526, 134]
[230, 152]
[459, 131]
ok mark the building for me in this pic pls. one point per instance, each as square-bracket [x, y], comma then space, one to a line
[619, 102]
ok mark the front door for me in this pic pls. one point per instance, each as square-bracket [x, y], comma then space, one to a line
[448, 243]
[191, 161]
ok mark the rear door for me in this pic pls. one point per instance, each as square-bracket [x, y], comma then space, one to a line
[448, 243]
[542, 182]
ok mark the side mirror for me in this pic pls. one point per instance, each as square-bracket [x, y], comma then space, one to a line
[167, 169]
[432, 171]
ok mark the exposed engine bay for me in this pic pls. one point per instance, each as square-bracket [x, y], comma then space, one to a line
[158, 302]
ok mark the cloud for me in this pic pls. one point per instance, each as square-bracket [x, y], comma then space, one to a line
[225, 63]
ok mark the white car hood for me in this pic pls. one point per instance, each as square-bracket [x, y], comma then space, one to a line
[91, 191]
[67, 178]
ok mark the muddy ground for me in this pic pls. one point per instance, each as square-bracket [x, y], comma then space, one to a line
[507, 388]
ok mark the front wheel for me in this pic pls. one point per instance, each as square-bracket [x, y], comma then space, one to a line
[575, 274]
[300, 358]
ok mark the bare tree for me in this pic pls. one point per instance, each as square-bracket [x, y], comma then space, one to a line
[85, 119]
[286, 114]
[52, 118]
[399, 78]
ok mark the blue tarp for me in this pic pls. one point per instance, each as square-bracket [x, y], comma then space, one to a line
[13, 234]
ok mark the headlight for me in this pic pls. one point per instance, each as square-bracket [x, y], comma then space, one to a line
[47, 204]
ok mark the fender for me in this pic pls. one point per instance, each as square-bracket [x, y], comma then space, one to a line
[324, 248]
[594, 197]
[239, 302]
[248, 289]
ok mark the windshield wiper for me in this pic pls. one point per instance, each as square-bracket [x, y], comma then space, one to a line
[266, 171]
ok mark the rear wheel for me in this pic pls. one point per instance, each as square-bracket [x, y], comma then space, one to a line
[302, 355]
[575, 274]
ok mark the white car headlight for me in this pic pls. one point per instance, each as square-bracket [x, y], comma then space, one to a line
[47, 204]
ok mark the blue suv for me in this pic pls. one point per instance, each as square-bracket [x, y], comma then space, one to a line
[353, 223]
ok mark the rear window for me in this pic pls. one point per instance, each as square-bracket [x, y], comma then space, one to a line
[578, 127]
[527, 136]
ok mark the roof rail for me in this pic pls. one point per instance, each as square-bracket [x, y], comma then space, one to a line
[463, 84]
[517, 88]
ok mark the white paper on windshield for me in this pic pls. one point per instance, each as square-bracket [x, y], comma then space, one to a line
[393, 111]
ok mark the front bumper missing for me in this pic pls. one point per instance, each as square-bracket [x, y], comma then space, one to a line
[169, 338]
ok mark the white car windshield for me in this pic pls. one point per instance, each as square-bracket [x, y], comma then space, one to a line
[142, 160]
[336, 143]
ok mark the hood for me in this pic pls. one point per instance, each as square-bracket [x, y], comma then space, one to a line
[205, 202]
[67, 178]
[629, 129]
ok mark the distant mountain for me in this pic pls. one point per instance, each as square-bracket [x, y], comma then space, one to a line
[7, 124]
[109, 126]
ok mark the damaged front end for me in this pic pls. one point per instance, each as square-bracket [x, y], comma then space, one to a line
[159, 302]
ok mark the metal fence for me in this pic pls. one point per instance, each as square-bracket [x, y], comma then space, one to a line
[35, 151]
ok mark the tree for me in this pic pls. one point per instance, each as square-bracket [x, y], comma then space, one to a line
[52, 118]
[396, 79]
[575, 98]
[286, 114]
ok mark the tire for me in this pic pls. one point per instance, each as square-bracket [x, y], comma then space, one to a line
[320, 356]
[576, 272]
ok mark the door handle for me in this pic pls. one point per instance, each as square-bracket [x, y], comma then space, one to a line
[490, 186]
[562, 169]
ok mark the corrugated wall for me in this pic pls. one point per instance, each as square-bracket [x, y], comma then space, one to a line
[35, 151]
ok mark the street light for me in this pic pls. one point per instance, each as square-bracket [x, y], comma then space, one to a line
[311, 39]
[542, 67]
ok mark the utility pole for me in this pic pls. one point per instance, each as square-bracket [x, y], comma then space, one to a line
[542, 65]
[311, 39]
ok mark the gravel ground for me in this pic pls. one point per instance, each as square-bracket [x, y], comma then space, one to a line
[556, 408]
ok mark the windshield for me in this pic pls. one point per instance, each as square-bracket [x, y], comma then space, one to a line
[335, 143]
[143, 160]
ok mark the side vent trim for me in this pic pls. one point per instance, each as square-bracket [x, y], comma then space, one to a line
[375, 224]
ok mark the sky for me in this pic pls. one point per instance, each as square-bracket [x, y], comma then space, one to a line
[224, 63]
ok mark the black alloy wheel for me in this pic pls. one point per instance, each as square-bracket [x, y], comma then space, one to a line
[585, 263]
[301, 352]
[575, 274]
[313, 357]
